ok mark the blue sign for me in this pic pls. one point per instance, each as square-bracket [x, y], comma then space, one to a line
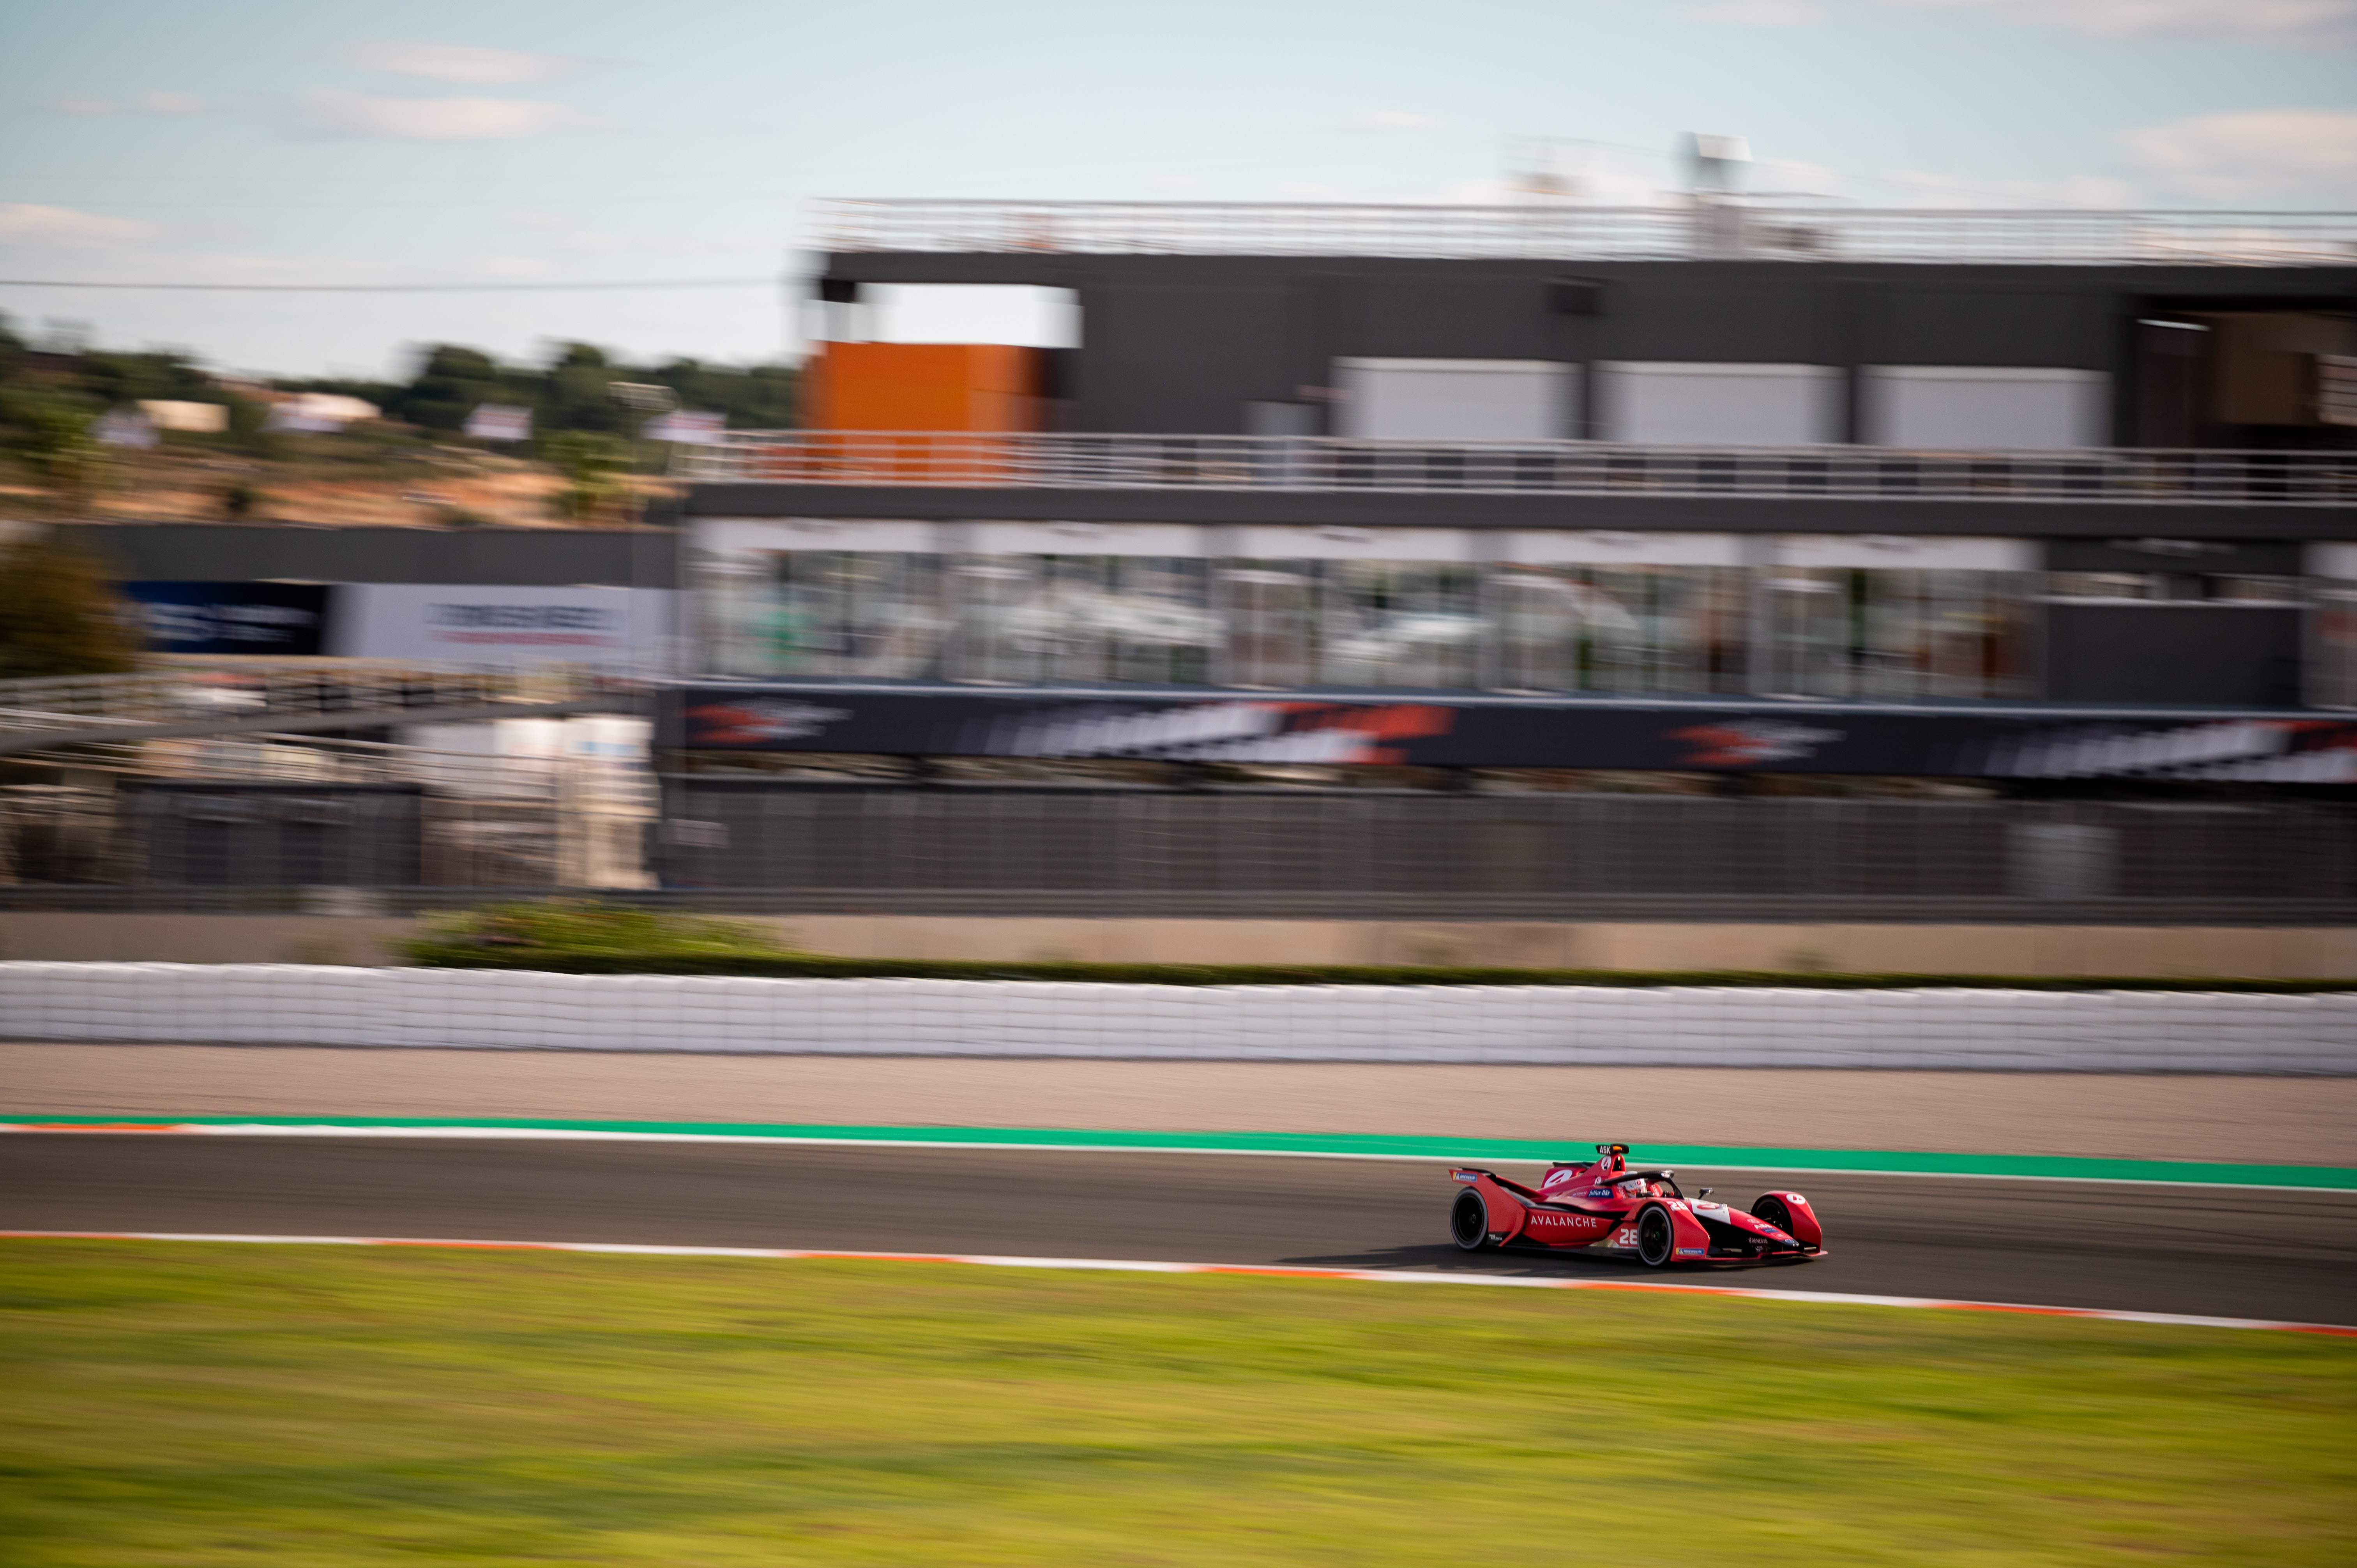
[284, 619]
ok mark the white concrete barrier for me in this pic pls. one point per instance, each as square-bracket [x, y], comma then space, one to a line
[2096, 1031]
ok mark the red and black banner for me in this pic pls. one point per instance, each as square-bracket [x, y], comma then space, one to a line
[1771, 737]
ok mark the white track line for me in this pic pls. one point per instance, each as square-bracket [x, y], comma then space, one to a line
[1134, 1266]
[603, 1136]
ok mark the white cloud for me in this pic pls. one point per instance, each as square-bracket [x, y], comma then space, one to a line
[1761, 12]
[1395, 120]
[2262, 21]
[468, 65]
[2257, 153]
[28, 223]
[334, 112]
[81, 103]
[171, 103]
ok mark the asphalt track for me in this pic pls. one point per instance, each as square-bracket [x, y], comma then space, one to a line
[2204, 1250]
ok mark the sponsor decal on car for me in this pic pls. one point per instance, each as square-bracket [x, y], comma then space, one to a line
[1467, 1175]
[1691, 1251]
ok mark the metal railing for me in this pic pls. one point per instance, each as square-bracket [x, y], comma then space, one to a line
[195, 697]
[1034, 460]
[1689, 231]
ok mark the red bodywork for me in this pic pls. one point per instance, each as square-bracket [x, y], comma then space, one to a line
[1604, 1206]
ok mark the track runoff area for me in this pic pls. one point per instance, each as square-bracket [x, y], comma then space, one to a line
[2230, 1246]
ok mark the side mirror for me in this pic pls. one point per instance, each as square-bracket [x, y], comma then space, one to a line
[1703, 1193]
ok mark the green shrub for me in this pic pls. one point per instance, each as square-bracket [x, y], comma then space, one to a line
[599, 937]
[589, 937]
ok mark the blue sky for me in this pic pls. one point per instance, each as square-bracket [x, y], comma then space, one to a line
[519, 141]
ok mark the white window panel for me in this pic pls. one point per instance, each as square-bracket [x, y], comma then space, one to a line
[1981, 407]
[867, 534]
[1605, 547]
[1452, 545]
[2338, 561]
[1877, 552]
[1457, 400]
[1682, 404]
[1152, 539]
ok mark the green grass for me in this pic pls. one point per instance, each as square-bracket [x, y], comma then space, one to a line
[188, 1405]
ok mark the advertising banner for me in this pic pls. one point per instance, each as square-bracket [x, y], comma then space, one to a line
[289, 619]
[478, 625]
[1509, 733]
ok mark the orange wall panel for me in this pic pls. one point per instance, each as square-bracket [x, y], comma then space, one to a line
[924, 386]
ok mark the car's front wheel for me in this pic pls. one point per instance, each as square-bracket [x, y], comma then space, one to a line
[1469, 1221]
[1772, 1210]
[1656, 1239]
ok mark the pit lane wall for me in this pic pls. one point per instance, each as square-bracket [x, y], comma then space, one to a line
[2094, 1031]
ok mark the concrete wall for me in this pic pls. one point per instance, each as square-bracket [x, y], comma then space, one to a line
[2289, 952]
[1980, 1029]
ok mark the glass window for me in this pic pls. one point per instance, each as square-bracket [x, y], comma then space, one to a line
[2333, 621]
[1620, 629]
[1155, 615]
[1270, 610]
[1836, 632]
[821, 612]
[730, 591]
[888, 621]
[1392, 623]
[2256, 590]
[1002, 619]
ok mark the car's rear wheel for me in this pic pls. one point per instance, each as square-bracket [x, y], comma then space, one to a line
[1469, 1221]
[1773, 1210]
[1656, 1239]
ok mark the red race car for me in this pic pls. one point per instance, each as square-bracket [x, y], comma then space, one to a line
[1601, 1205]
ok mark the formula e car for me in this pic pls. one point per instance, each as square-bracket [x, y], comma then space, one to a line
[1602, 1205]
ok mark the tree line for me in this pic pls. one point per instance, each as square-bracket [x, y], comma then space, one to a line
[44, 389]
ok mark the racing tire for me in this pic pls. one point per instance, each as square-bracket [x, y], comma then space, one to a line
[1469, 1221]
[1773, 1210]
[1657, 1239]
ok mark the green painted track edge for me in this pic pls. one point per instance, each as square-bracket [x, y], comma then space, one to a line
[1360, 1145]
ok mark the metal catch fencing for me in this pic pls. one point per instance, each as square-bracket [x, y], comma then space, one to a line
[760, 845]
[1667, 1027]
[1072, 460]
[1691, 230]
[1309, 853]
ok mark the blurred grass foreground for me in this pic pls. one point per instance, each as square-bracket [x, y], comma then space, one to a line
[200, 1404]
